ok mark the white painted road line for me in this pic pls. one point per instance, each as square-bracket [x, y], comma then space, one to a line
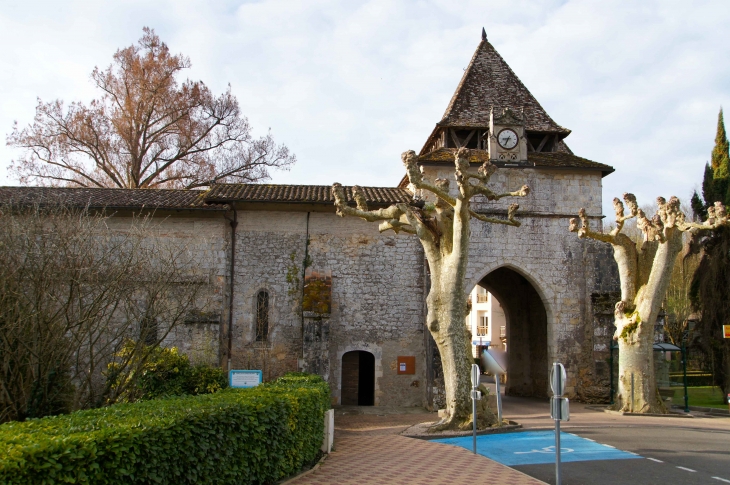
[687, 469]
[654, 459]
[721, 479]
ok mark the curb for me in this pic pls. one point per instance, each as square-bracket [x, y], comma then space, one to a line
[712, 411]
[651, 415]
[512, 426]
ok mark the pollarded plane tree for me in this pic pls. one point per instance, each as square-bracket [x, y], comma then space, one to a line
[645, 272]
[443, 229]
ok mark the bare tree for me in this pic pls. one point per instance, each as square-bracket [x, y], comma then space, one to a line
[73, 293]
[145, 131]
[645, 272]
[443, 228]
[678, 303]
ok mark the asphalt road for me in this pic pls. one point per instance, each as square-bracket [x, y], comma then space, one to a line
[674, 451]
[671, 455]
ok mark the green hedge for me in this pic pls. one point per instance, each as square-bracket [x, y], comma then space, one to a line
[257, 435]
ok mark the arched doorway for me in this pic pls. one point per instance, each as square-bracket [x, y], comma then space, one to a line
[526, 332]
[358, 379]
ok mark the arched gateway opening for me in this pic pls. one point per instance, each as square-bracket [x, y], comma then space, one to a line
[525, 332]
[358, 379]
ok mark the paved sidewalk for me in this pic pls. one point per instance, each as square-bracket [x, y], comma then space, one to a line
[368, 450]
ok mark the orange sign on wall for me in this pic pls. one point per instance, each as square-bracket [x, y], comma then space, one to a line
[406, 365]
[726, 330]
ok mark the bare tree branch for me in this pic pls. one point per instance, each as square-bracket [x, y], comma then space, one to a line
[145, 131]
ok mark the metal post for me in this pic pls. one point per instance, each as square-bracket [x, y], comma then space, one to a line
[557, 452]
[475, 373]
[557, 383]
[499, 400]
[632, 392]
[684, 372]
[474, 410]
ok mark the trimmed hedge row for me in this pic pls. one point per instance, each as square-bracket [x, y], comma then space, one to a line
[257, 435]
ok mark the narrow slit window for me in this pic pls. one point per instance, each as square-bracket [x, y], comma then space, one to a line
[262, 316]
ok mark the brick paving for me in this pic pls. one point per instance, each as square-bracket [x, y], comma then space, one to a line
[369, 450]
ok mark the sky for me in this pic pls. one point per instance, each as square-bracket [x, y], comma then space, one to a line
[349, 85]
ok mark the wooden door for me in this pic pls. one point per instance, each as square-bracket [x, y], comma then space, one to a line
[350, 378]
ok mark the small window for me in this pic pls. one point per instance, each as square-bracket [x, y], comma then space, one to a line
[262, 316]
[483, 326]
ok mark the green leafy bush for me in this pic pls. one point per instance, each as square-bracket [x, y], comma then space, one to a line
[164, 372]
[257, 435]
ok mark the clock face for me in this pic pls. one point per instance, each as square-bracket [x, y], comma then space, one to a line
[507, 139]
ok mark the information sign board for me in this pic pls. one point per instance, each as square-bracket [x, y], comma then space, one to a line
[244, 378]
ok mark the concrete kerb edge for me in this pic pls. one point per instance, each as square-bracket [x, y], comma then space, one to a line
[649, 415]
[511, 427]
[702, 409]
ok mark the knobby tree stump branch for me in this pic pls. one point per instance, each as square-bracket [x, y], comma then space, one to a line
[645, 273]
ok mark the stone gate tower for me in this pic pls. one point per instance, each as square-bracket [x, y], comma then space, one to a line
[545, 279]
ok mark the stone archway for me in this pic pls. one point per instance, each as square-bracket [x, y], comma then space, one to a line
[358, 379]
[527, 332]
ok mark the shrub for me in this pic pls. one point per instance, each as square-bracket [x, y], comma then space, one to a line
[72, 285]
[257, 435]
[204, 379]
[164, 372]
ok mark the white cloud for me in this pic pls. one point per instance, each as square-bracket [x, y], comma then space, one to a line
[350, 85]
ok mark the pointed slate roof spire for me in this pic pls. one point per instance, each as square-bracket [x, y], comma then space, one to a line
[490, 83]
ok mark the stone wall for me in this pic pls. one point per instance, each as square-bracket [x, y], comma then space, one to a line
[377, 299]
[379, 288]
[203, 237]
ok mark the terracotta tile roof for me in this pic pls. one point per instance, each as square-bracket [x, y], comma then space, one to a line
[566, 160]
[318, 194]
[111, 198]
[489, 82]
[542, 159]
[559, 160]
[211, 199]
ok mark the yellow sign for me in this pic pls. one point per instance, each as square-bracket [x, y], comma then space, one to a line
[726, 330]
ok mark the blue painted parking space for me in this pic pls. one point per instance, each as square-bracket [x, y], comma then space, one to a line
[538, 447]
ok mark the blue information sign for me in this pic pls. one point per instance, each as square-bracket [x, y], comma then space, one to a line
[244, 378]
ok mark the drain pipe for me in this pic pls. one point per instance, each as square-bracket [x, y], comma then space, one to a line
[304, 271]
[234, 223]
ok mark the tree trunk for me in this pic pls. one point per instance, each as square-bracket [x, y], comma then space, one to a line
[637, 391]
[446, 322]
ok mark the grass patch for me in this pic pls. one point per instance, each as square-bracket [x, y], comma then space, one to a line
[705, 396]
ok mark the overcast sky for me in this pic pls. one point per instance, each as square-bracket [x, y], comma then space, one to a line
[350, 85]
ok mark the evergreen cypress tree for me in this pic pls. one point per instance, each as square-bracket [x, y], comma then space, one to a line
[711, 281]
[708, 188]
[716, 180]
[698, 207]
[720, 163]
[720, 158]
